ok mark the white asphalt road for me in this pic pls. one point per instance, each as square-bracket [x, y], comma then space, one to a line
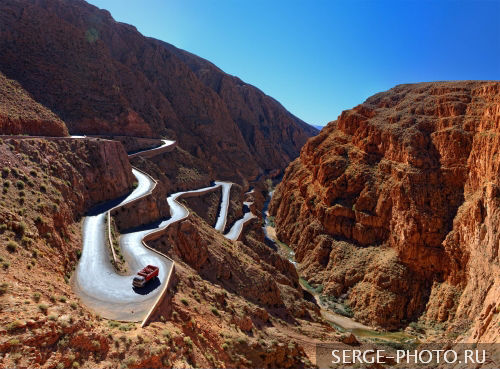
[235, 231]
[96, 280]
[220, 224]
[164, 144]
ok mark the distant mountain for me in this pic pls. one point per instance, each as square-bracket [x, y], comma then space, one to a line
[103, 77]
[319, 128]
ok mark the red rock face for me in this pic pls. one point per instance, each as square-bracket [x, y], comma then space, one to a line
[20, 114]
[397, 204]
[103, 77]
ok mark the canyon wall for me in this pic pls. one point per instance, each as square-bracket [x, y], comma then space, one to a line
[395, 207]
[104, 77]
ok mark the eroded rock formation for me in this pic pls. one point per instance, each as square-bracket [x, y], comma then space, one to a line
[397, 205]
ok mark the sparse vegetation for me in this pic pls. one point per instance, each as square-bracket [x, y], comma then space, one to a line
[4, 287]
[12, 246]
[188, 342]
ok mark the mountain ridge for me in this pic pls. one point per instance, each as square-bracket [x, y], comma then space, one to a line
[103, 77]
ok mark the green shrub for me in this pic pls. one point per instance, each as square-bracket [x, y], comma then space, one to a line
[3, 227]
[3, 288]
[43, 188]
[36, 296]
[20, 228]
[215, 311]
[5, 265]
[43, 308]
[14, 325]
[12, 246]
[185, 302]
[20, 185]
[62, 299]
[5, 172]
[188, 341]
[6, 184]
[130, 361]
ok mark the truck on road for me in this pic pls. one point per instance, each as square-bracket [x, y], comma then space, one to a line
[144, 275]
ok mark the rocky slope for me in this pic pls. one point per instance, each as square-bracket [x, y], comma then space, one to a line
[20, 114]
[395, 208]
[220, 314]
[103, 77]
[271, 133]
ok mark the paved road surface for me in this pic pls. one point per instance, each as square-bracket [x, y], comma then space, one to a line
[237, 228]
[96, 280]
[220, 224]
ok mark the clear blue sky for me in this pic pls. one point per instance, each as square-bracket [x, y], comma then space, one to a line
[321, 57]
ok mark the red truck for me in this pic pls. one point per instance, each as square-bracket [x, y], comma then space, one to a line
[144, 275]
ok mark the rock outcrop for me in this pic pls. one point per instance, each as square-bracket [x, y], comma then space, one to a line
[396, 206]
[20, 114]
[104, 77]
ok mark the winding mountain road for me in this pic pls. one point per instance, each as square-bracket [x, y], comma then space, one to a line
[235, 231]
[96, 281]
[165, 144]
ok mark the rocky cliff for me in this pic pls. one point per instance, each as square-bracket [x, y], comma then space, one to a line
[20, 114]
[104, 77]
[395, 207]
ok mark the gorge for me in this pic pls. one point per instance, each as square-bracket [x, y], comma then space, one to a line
[119, 150]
